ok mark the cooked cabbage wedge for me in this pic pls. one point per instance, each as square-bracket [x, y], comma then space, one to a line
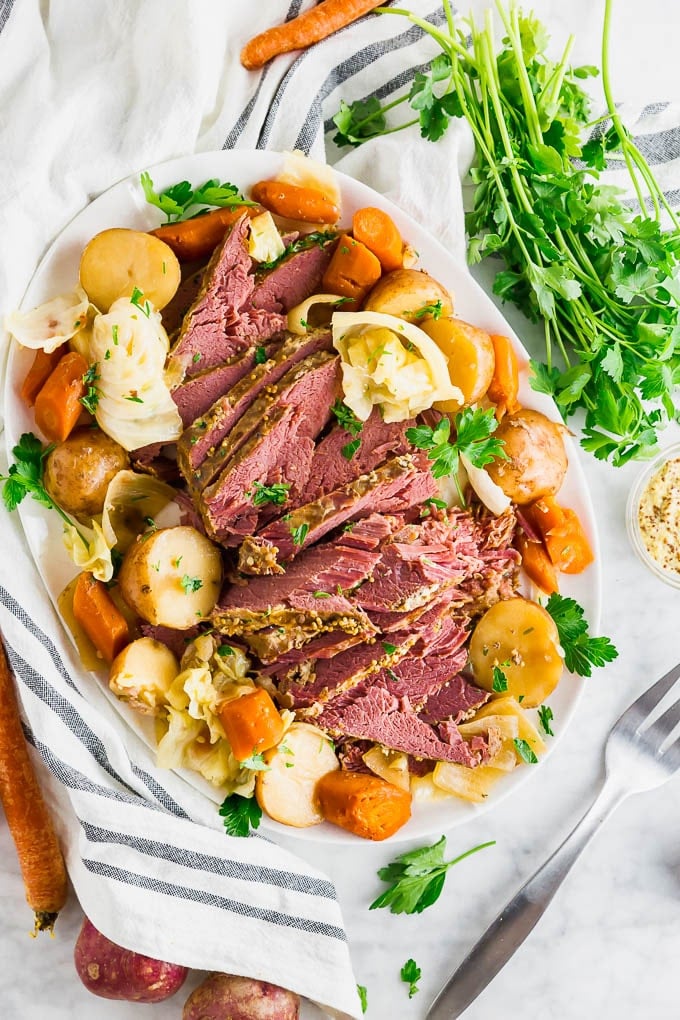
[50, 325]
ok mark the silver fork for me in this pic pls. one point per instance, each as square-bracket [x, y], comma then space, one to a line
[639, 756]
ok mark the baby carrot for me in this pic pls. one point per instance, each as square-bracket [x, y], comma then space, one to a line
[504, 386]
[352, 271]
[29, 822]
[566, 541]
[379, 233]
[310, 27]
[365, 805]
[57, 405]
[537, 564]
[42, 367]
[197, 238]
[296, 203]
[100, 618]
[252, 723]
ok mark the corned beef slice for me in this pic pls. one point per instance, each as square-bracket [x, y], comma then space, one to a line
[273, 648]
[315, 378]
[377, 441]
[196, 395]
[208, 431]
[453, 701]
[222, 321]
[390, 721]
[294, 279]
[400, 483]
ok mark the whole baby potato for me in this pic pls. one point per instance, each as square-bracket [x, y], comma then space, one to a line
[108, 970]
[227, 997]
[537, 460]
[407, 293]
[118, 261]
[78, 471]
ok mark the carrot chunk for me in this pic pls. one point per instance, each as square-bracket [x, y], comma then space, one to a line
[252, 723]
[296, 203]
[504, 388]
[38, 374]
[365, 805]
[563, 534]
[379, 233]
[352, 271]
[195, 239]
[100, 618]
[537, 564]
[57, 405]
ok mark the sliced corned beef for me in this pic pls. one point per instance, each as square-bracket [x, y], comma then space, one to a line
[175, 640]
[196, 395]
[207, 431]
[377, 441]
[400, 483]
[370, 532]
[351, 755]
[497, 577]
[297, 277]
[390, 721]
[453, 701]
[185, 295]
[314, 379]
[273, 647]
[222, 321]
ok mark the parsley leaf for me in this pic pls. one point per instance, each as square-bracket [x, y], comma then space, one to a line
[416, 878]
[545, 717]
[349, 449]
[255, 763]
[347, 418]
[524, 751]
[316, 238]
[299, 534]
[276, 494]
[92, 394]
[225, 650]
[411, 974]
[190, 584]
[500, 680]
[363, 997]
[240, 814]
[581, 652]
[474, 438]
[177, 200]
[260, 355]
[136, 299]
[358, 121]
[435, 310]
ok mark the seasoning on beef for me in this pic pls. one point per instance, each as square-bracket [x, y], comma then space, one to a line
[207, 431]
[272, 647]
[197, 394]
[400, 483]
[278, 452]
[222, 321]
[453, 701]
[297, 277]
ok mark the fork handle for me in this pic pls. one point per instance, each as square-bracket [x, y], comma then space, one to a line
[520, 915]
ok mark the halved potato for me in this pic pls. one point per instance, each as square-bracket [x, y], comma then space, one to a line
[470, 784]
[470, 355]
[510, 707]
[391, 766]
[117, 261]
[406, 293]
[142, 674]
[537, 460]
[172, 577]
[521, 638]
[286, 791]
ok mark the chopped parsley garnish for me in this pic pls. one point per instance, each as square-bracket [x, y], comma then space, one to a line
[276, 494]
[177, 200]
[411, 974]
[107, 354]
[545, 717]
[90, 400]
[416, 879]
[321, 595]
[240, 814]
[299, 534]
[134, 399]
[524, 751]
[136, 300]
[392, 675]
[255, 763]
[197, 357]
[363, 997]
[500, 680]
[225, 650]
[390, 649]
[581, 652]
[114, 334]
[260, 355]
[349, 449]
[316, 238]
[190, 584]
[435, 310]
[346, 417]
[440, 504]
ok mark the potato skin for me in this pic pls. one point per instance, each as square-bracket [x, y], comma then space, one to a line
[538, 460]
[78, 471]
[118, 260]
[111, 972]
[404, 292]
[227, 997]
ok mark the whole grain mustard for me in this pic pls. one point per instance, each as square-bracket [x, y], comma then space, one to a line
[659, 516]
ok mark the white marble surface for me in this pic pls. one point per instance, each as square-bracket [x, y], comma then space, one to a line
[609, 943]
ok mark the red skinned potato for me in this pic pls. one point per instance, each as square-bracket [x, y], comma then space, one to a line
[108, 970]
[227, 997]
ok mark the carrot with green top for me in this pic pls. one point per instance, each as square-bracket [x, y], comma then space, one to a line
[379, 233]
[58, 404]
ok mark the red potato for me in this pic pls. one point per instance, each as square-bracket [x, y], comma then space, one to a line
[227, 997]
[112, 972]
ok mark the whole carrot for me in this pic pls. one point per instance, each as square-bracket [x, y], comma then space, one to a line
[196, 238]
[310, 27]
[40, 858]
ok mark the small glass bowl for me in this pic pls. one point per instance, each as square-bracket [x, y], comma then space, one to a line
[671, 577]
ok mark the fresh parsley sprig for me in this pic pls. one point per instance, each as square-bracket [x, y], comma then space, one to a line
[90, 400]
[411, 974]
[261, 494]
[25, 478]
[240, 814]
[177, 201]
[581, 651]
[346, 418]
[416, 878]
[317, 238]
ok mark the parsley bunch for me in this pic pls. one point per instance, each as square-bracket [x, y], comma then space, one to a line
[602, 277]
[182, 201]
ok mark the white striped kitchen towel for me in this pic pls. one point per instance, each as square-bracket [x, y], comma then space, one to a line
[90, 94]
